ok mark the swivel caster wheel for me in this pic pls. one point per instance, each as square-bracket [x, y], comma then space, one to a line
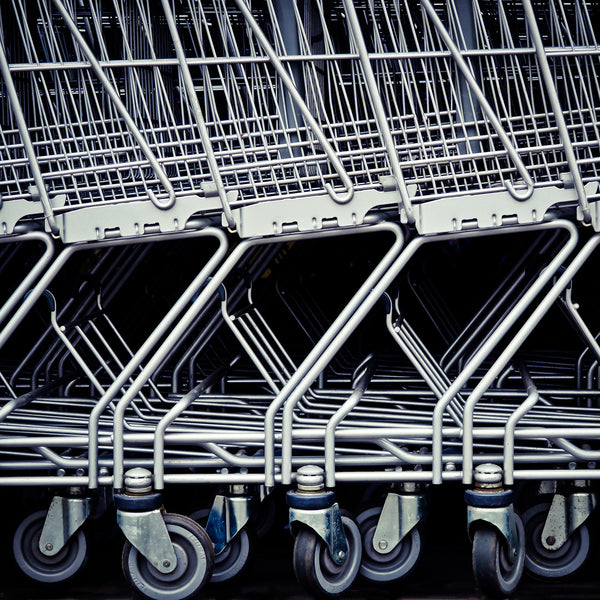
[195, 561]
[316, 570]
[232, 562]
[552, 564]
[395, 565]
[495, 574]
[47, 569]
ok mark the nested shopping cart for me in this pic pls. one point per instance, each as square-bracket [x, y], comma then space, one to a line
[176, 176]
[288, 116]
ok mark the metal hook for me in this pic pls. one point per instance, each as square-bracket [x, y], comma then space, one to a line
[290, 86]
[487, 109]
[119, 106]
[48, 296]
[163, 205]
[343, 198]
[520, 195]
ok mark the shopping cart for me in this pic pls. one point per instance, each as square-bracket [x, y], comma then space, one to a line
[277, 117]
[359, 145]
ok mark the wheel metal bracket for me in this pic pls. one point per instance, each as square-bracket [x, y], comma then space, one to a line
[147, 532]
[327, 524]
[400, 514]
[228, 515]
[566, 514]
[502, 518]
[65, 516]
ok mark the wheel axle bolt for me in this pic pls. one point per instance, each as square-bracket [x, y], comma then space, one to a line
[166, 564]
[341, 554]
[383, 545]
[48, 547]
[550, 540]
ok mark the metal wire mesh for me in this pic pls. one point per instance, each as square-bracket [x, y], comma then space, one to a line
[260, 140]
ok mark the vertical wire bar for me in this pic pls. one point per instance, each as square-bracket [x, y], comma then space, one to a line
[301, 105]
[484, 104]
[197, 112]
[27, 144]
[544, 66]
[375, 97]
[470, 108]
[121, 109]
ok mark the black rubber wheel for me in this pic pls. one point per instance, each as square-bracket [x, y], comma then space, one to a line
[233, 561]
[396, 565]
[494, 574]
[47, 569]
[195, 562]
[316, 570]
[552, 564]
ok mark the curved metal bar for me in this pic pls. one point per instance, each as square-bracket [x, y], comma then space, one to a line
[509, 320]
[35, 272]
[519, 338]
[177, 330]
[323, 351]
[364, 374]
[164, 205]
[462, 64]
[34, 166]
[563, 131]
[485, 350]
[381, 117]
[519, 195]
[197, 110]
[341, 198]
[184, 402]
[288, 82]
[168, 322]
[509, 437]
[121, 109]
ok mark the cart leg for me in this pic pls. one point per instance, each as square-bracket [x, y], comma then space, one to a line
[497, 533]
[328, 549]
[165, 555]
